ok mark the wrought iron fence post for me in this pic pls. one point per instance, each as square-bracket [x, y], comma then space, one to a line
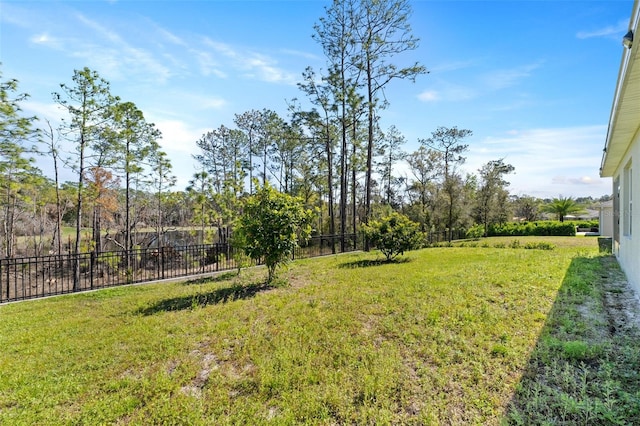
[92, 264]
[162, 260]
[76, 271]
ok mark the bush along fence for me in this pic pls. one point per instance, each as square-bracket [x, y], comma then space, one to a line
[34, 277]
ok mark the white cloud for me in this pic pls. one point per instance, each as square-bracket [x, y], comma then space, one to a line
[254, 65]
[448, 92]
[501, 79]
[429, 96]
[16, 16]
[207, 64]
[170, 37]
[44, 111]
[264, 69]
[45, 39]
[547, 161]
[178, 137]
[179, 142]
[610, 31]
[583, 180]
[489, 82]
[298, 53]
[112, 56]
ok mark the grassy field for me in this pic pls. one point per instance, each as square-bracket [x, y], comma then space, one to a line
[452, 335]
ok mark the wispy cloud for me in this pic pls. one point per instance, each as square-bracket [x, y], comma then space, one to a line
[429, 96]
[44, 39]
[251, 64]
[501, 79]
[579, 181]
[564, 159]
[301, 54]
[168, 36]
[451, 66]
[50, 112]
[489, 82]
[610, 31]
[16, 16]
[448, 92]
[118, 56]
[207, 64]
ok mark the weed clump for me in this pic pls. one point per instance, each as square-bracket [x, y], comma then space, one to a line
[541, 245]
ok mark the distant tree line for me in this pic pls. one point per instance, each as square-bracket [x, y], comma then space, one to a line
[333, 155]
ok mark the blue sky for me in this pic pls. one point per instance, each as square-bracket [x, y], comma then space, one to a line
[534, 80]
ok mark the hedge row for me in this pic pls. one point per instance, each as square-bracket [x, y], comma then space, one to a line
[541, 228]
[513, 229]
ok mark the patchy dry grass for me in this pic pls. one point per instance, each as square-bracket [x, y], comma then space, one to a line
[443, 337]
[585, 368]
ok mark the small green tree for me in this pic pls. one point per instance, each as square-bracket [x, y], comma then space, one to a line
[270, 227]
[393, 235]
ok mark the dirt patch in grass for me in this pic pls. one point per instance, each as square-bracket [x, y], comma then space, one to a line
[586, 366]
[620, 301]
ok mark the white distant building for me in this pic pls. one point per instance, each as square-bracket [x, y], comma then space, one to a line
[605, 218]
[621, 159]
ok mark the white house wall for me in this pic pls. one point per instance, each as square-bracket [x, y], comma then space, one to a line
[628, 250]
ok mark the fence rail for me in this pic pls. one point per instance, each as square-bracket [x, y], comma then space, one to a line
[34, 277]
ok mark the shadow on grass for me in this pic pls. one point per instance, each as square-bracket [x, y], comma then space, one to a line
[225, 276]
[585, 367]
[365, 263]
[220, 295]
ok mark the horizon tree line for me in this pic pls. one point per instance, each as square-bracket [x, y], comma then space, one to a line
[331, 151]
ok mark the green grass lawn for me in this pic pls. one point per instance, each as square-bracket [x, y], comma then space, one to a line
[450, 335]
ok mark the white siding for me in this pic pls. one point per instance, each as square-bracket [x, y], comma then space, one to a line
[628, 251]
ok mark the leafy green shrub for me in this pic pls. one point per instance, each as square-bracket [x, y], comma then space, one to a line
[515, 244]
[270, 227]
[589, 225]
[476, 231]
[393, 235]
[541, 228]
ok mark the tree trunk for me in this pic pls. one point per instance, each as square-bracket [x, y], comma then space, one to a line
[76, 275]
[367, 201]
[354, 207]
[332, 217]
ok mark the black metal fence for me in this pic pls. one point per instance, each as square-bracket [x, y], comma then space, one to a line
[444, 236]
[33, 277]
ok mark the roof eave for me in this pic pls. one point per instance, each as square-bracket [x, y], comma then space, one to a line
[624, 122]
